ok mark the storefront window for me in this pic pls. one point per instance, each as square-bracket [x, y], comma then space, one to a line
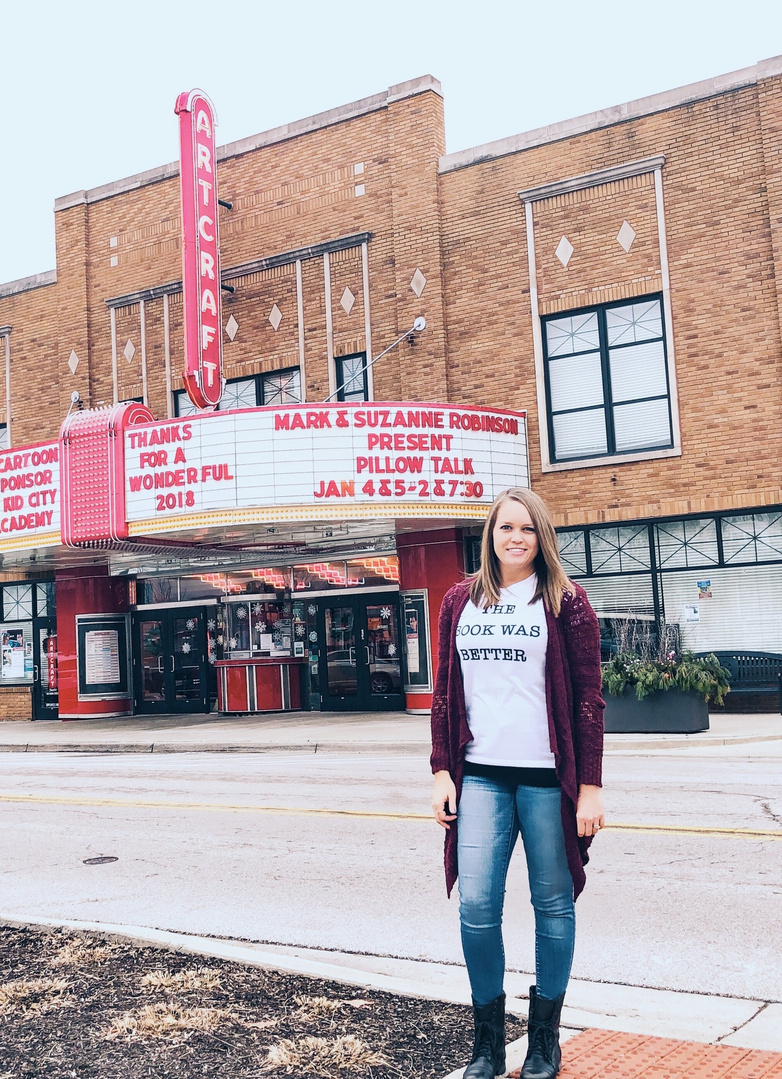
[45, 599]
[320, 576]
[158, 590]
[258, 628]
[254, 581]
[17, 601]
[202, 586]
[752, 537]
[373, 572]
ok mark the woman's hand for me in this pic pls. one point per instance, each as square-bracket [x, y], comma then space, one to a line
[444, 799]
[589, 811]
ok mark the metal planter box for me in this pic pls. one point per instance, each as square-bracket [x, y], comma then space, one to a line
[668, 712]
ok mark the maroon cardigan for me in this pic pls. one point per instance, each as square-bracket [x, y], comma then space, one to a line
[575, 713]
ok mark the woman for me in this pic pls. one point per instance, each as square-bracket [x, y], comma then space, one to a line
[517, 736]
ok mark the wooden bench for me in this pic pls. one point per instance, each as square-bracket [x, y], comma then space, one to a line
[752, 672]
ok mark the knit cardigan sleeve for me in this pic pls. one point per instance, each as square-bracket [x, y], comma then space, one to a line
[441, 715]
[581, 631]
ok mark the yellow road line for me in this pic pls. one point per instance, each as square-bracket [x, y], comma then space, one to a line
[304, 811]
[213, 807]
[744, 833]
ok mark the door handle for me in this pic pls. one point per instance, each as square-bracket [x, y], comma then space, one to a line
[36, 673]
[173, 664]
[366, 649]
[160, 664]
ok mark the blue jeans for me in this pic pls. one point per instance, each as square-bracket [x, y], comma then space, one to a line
[490, 817]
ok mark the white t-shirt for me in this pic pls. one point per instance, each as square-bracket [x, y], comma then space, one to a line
[502, 650]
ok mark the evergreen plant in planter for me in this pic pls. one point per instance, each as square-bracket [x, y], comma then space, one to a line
[668, 695]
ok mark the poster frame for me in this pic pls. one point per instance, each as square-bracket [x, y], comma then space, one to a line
[111, 691]
[24, 627]
[420, 596]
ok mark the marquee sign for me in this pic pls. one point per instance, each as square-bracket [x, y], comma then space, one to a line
[30, 493]
[203, 371]
[309, 462]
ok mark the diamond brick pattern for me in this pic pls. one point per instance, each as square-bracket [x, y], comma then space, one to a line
[626, 235]
[607, 1054]
[73, 361]
[564, 251]
[232, 327]
[347, 301]
[129, 351]
[275, 317]
[418, 283]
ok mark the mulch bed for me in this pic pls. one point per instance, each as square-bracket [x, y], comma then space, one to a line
[79, 1006]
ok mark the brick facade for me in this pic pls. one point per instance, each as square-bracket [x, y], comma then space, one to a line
[333, 215]
[379, 169]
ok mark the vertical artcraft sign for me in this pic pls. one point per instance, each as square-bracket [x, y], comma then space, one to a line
[203, 372]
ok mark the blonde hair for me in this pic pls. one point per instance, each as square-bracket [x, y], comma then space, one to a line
[486, 583]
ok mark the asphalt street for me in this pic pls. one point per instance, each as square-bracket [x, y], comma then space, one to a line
[305, 850]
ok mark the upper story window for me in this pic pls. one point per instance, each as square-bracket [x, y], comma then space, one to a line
[3, 436]
[281, 387]
[275, 388]
[607, 384]
[351, 374]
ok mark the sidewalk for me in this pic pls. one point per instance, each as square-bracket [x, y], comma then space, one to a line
[317, 732]
[602, 1022]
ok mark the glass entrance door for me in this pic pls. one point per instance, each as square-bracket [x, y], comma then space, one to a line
[170, 661]
[359, 660]
[45, 692]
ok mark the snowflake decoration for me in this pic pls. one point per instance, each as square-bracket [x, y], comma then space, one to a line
[211, 624]
[299, 629]
[312, 609]
[261, 627]
[392, 650]
[186, 647]
[257, 608]
[190, 624]
[385, 612]
[212, 658]
[233, 642]
[241, 612]
[313, 636]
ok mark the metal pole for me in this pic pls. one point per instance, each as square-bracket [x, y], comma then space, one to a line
[417, 327]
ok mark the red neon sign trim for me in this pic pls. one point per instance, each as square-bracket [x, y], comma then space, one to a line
[203, 321]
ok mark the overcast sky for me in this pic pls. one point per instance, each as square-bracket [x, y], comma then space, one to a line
[88, 88]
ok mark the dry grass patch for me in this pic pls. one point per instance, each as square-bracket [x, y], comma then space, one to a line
[311, 1008]
[33, 996]
[165, 1021]
[322, 1057]
[184, 980]
[78, 951]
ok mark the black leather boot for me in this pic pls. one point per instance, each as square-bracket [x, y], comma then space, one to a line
[488, 1052]
[543, 1053]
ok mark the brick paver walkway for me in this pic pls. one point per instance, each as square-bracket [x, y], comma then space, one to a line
[605, 1054]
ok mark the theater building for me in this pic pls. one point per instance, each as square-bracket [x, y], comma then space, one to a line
[601, 302]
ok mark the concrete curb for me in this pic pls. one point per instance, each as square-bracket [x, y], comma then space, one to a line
[684, 741]
[750, 1024]
[237, 952]
[378, 748]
